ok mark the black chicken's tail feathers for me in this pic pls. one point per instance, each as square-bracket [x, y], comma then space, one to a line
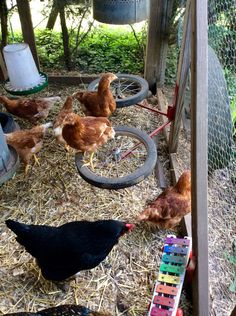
[17, 228]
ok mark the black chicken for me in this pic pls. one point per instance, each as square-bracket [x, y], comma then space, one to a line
[63, 310]
[63, 251]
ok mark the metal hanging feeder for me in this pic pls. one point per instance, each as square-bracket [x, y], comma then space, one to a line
[120, 11]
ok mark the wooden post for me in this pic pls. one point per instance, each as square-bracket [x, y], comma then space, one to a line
[27, 27]
[199, 95]
[181, 80]
[157, 42]
[3, 69]
[4, 22]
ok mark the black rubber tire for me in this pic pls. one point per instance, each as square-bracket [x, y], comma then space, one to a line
[7, 122]
[122, 182]
[141, 95]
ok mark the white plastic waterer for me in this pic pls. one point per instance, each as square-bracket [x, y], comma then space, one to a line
[22, 71]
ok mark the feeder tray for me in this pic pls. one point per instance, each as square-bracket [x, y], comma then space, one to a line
[120, 11]
[43, 84]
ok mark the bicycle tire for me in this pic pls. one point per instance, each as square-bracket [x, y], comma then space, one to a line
[122, 182]
[131, 100]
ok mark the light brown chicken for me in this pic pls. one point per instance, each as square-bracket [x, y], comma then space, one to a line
[28, 142]
[58, 123]
[171, 205]
[86, 134]
[30, 109]
[101, 102]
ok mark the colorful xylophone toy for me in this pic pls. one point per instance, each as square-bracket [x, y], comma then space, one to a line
[171, 275]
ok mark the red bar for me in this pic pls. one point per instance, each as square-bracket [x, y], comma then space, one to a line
[165, 301]
[160, 312]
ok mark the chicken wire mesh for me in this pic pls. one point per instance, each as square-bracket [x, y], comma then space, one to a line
[221, 151]
[221, 154]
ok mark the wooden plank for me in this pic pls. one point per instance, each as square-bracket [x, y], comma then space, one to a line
[3, 69]
[181, 81]
[199, 105]
[71, 80]
[27, 27]
[157, 42]
[186, 223]
[162, 106]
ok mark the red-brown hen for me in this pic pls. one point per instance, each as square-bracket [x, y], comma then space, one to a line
[30, 109]
[100, 103]
[171, 205]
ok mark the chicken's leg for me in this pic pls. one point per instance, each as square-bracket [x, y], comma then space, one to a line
[68, 148]
[26, 168]
[36, 160]
[90, 162]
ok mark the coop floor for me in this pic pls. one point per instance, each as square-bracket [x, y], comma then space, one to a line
[52, 194]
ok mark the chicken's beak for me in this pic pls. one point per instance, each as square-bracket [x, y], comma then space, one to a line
[129, 227]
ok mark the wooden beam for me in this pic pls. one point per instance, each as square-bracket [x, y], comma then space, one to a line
[199, 95]
[3, 69]
[162, 106]
[181, 80]
[71, 80]
[157, 42]
[186, 223]
[27, 27]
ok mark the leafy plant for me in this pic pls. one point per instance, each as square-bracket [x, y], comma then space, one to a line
[233, 113]
[232, 259]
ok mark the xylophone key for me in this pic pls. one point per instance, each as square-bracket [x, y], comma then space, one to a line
[172, 269]
[164, 301]
[165, 289]
[173, 259]
[168, 278]
[178, 250]
[155, 311]
[177, 241]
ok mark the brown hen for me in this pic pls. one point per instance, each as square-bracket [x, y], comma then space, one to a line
[86, 134]
[28, 142]
[171, 205]
[30, 109]
[101, 102]
[58, 123]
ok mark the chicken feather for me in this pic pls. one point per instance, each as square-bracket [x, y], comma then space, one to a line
[27, 142]
[86, 134]
[100, 103]
[30, 109]
[171, 205]
[58, 122]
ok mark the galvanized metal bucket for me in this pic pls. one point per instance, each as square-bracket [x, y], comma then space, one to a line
[120, 11]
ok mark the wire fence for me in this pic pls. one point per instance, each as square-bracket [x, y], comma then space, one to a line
[222, 154]
[221, 150]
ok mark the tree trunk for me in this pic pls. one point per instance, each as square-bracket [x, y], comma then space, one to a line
[52, 17]
[3, 16]
[65, 35]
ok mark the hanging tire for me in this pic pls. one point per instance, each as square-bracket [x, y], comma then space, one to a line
[127, 89]
[115, 167]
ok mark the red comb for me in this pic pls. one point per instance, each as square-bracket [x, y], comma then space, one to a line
[130, 226]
